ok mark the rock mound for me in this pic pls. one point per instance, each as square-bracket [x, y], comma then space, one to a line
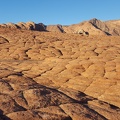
[96, 27]
[109, 27]
[85, 26]
[9, 25]
[55, 28]
[25, 26]
[34, 26]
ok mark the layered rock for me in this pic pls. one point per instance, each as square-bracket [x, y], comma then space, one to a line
[86, 26]
[50, 75]
[25, 26]
[109, 27]
[96, 27]
[91, 27]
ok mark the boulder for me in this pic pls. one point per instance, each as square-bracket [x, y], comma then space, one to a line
[82, 32]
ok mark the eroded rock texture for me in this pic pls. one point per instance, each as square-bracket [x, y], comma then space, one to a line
[56, 76]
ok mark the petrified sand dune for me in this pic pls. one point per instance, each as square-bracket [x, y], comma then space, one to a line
[56, 76]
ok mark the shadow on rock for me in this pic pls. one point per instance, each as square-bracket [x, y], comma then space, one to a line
[3, 117]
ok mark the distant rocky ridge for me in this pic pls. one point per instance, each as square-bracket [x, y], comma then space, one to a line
[91, 27]
[25, 26]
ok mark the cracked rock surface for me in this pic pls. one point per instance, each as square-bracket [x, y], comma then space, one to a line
[57, 76]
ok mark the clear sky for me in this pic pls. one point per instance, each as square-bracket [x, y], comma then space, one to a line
[63, 12]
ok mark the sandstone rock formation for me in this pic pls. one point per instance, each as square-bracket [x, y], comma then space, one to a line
[25, 26]
[86, 26]
[55, 28]
[109, 27]
[56, 76]
[96, 27]
[9, 25]
[91, 27]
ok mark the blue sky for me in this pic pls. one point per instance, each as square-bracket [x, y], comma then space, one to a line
[63, 12]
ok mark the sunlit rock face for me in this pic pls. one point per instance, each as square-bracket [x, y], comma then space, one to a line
[90, 27]
[25, 26]
[58, 76]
